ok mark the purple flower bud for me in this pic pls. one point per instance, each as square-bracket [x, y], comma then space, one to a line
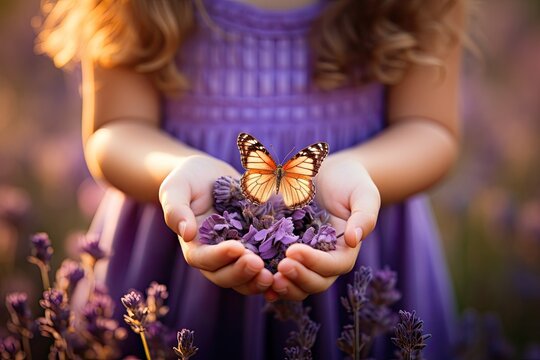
[41, 248]
[89, 245]
[69, 274]
[156, 294]
[137, 311]
[20, 321]
[52, 299]
[57, 313]
[185, 348]
[10, 348]
[132, 300]
[17, 304]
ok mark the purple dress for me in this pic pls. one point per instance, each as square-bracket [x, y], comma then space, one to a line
[256, 79]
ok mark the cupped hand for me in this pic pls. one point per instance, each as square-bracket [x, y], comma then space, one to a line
[186, 198]
[347, 192]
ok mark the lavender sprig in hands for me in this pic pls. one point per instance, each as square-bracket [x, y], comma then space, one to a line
[268, 229]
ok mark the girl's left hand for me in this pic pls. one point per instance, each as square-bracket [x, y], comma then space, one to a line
[347, 192]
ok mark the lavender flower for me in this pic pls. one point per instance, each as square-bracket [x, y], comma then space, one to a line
[409, 337]
[324, 239]
[352, 341]
[20, 316]
[299, 342]
[137, 311]
[57, 312]
[346, 342]
[156, 294]
[97, 316]
[68, 275]
[267, 229]
[295, 353]
[57, 321]
[309, 216]
[276, 238]
[185, 348]
[217, 228]
[382, 288]
[41, 249]
[307, 334]
[90, 250]
[227, 194]
[356, 292]
[367, 302]
[249, 241]
[10, 348]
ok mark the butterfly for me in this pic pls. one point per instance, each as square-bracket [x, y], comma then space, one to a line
[293, 180]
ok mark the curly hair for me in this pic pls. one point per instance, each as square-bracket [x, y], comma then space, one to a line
[383, 38]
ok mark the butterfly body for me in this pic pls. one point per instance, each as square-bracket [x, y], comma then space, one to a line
[263, 177]
[279, 175]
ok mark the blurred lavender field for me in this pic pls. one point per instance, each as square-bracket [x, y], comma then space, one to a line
[488, 209]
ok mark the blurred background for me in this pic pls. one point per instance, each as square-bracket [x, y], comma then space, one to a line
[488, 209]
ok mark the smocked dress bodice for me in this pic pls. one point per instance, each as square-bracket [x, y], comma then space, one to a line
[250, 71]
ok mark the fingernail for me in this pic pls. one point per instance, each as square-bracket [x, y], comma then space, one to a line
[358, 234]
[182, 228]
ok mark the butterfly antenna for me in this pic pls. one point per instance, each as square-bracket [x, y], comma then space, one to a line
[275, 153]
[340, 235]
[290, 152]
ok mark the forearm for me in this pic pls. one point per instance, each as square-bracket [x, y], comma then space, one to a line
[134, 157]
[408, 157]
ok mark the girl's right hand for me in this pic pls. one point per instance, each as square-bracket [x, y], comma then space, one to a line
[186, 198]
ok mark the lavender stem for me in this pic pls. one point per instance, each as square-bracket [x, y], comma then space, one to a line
[91, 281]
[44, 276]
[26, 346]
[356, 336]
[145, 345]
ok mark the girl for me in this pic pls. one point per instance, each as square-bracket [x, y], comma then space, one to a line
[169, 84]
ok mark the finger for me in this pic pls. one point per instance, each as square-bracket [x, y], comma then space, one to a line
[261, 283]
[211, 257]
[365, 207]
[240, 272]
[327, 264]
[304, 278]
[175, 201]
[286, 289]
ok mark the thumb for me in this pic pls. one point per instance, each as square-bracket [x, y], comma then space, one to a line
[365, 205]
[175, 201]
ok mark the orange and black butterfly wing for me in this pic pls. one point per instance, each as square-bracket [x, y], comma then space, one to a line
[259, 181]
[297, 185]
